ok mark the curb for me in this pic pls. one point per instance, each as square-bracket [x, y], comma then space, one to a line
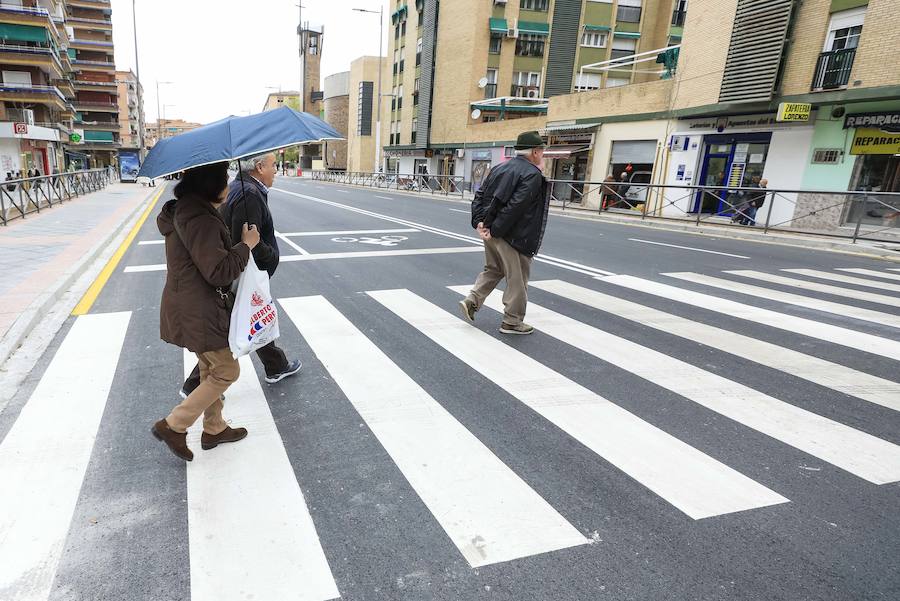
[780, 239]
[25, 323]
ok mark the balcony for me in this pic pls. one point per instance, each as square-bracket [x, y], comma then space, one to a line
[833, 69]
[95, 24]
[65, 86]
[90, 44]
[490, 90]
[99, 125]
[525, 91]
[31, 56]
[48, 95]
[96, 106]
[82, 65]
[35, 17]
[97, 86]
[98, 4]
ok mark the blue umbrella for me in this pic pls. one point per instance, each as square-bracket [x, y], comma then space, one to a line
[235, 138]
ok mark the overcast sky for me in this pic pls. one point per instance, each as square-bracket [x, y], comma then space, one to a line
[221, 54]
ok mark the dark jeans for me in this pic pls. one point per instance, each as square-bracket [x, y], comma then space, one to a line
[273, 359]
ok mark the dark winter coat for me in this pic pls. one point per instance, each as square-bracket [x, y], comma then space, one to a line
[202, 263]
[249, 203]
[513, 203]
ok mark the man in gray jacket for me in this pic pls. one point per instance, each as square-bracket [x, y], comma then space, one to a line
[510, 214]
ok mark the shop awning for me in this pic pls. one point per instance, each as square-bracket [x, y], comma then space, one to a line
[535, 28]
[561, 128]
[596, 27]
[626, 34]
[498, 25]
[564, 151]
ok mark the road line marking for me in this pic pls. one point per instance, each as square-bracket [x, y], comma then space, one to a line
[817, 287]
[383, 197]
[799, 325]
[143, 268]
[861, 454]
[846, 279]
[789, 298]
[562, 263]
[87, 301]
[44, 457]
[825, 373]
[871, 272]
[350, 232]
[363, 254]
[702, 250]
[293, 245]
[472, 494]
[341, 191]
[249, 528]
[147, 242]
[690, 480]
[461, 211]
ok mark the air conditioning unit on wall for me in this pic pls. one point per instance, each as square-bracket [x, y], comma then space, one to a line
[520, 91]
[534, 93]
[512, 32]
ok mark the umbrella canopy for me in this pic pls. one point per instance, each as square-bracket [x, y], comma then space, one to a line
[234, 138]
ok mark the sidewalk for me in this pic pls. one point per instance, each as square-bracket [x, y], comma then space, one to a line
[42, 255]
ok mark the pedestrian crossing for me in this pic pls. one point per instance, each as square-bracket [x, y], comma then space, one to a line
[484, 506]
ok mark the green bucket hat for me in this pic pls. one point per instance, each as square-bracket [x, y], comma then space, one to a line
[529, 139]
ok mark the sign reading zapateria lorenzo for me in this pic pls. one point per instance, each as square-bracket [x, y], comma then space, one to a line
[888, 121]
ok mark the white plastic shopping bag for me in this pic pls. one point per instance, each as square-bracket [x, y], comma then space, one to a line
[254, 319]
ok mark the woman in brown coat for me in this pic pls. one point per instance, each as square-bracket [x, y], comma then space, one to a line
[196, 311]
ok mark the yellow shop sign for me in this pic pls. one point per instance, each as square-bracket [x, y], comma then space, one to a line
[793, 111]
[875, 141]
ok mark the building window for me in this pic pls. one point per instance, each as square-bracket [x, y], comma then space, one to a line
[679, 14]
[836, 60]
[416, 92]
[400, 97]
[844, 30]
[364, 109]
[403, 28]
[529, 44]
[629, 11]
[495, 43]
[421, 17]
[489, 118]
[623, 48]
[415, 126]
[418, 51]
[490, 90]
[587, 81]
[534, 4]
[396, 32]
[594, 39]
[526, 84]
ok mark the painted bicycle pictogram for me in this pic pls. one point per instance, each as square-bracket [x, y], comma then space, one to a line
[380, 241]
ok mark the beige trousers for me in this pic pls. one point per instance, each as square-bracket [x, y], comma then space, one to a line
[218, 370]
[503, 261]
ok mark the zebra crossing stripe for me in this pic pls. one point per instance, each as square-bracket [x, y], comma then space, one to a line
[489, 513]
[846, 279]
[871, 297]
[861, 454]
[249, 529]
[792, 299]
[44, 457]
[825, 373]
[790, 323]
[872, 273]
[690, 480]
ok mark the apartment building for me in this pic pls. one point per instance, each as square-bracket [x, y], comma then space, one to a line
[90, 50]
[36, 93]
[130, 118]
[166, 128]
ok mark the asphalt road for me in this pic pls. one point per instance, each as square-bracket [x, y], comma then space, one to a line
[667, 438]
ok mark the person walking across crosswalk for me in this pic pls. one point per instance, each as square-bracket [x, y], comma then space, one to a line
[510, 212]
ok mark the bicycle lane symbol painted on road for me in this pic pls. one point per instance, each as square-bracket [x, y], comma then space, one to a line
[380, 241]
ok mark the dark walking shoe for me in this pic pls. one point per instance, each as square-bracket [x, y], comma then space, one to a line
[292, 368]
[468, 309]
[176, 441]
[229, 434]
[521, 329]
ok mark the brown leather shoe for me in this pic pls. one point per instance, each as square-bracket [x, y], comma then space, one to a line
[229, 434]
[176, 441]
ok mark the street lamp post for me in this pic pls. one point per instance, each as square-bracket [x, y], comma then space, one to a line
[140, 89]
[377, 166]
[158, 113]
[164, 113]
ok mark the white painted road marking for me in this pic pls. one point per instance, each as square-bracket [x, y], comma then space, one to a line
[702, 250]
[817, 287]
[384, 197]
[861, 454]
[249, 529]
[143, 268]
[44, 457]
[290, 243]
[791, 299]
[363, 254]
[690, 480]
[825, 373]
[461, 211]
[873, 273]
[147, 242]
[489, 513]
[846, 279]
[350, 232]
[799, 325]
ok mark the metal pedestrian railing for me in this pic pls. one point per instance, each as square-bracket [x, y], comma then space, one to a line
[448, 185]
[854, 214]
[21, 197]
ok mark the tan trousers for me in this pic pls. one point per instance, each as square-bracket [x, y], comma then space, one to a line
[503, 261]
[218, 370]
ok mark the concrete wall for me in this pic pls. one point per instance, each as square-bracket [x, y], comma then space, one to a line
[623, 100]
[337, 84]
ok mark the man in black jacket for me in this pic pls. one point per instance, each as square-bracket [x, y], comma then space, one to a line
[510, 213]
[248, 202]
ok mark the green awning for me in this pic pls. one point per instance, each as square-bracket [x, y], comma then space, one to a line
[23, 33]
[626, 34]
[498, 25]
[98, 136]
[596, 27]
[536, 28]
[72, 53]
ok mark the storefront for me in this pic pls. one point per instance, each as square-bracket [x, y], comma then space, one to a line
[24, 147]
[876, 145]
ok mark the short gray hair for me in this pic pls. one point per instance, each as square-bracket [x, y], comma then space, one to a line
[249, 164]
